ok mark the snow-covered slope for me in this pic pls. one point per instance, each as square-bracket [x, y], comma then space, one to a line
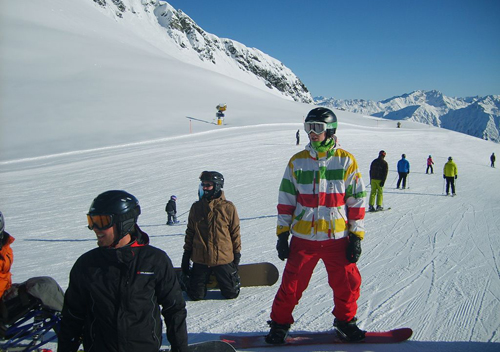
[476, 116]
[89, 105]
[73, 66]
[221, 55]
[430, 263]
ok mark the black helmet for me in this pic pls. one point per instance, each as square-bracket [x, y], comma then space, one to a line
[216, 178]
[326, 116]
[122, 206]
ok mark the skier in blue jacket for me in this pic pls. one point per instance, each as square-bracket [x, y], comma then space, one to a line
[403, 171]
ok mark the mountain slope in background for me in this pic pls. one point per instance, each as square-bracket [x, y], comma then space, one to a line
[77, 66]
[211, 49]
[475, 116]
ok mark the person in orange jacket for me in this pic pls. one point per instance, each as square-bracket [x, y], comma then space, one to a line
[6, 257]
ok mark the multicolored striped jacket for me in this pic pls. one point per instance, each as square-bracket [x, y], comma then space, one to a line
[322, 196]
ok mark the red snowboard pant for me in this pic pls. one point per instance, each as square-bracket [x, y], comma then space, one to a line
[343, 277]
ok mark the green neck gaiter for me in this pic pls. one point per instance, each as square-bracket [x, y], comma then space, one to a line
[322, 148]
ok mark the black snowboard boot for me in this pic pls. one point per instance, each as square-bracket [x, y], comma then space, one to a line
[278, 333]
[348, 330]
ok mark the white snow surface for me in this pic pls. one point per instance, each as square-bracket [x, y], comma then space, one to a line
[89, 108]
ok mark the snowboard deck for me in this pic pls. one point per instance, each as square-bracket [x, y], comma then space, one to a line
[209, 346]
[318, 338]
[255, 274]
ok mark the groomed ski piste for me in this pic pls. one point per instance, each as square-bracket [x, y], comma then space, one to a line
[431, 263]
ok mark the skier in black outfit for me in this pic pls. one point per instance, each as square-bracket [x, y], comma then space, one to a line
[492, 159]
[115, 291]
[171, 209]
[297, 136]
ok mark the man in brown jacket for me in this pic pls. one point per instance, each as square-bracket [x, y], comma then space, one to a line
[212, 241]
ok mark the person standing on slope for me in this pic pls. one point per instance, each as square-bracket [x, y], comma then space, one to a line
[115, 291]
[429, 165]
[378, 174]
[403, 170]
[492, 159]
[450, 175]
[322, 205]
[171, 209]
[212, 241]
[297, 137]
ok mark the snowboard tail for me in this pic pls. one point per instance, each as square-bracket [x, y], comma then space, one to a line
[318, 338]
[255, 274]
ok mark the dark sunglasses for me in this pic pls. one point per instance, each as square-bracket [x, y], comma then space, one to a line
[206, 185]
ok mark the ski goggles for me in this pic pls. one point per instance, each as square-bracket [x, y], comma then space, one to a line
[315, 127]
[206, 185]
[100, 222]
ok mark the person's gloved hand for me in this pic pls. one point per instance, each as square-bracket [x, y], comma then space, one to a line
[456, 177]
[382, 183]
[185, 266]
[444, 176]
[237, 258]
[353, 248]
[282, 245]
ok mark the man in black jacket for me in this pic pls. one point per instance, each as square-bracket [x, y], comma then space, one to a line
[116, 290]
[378, 175]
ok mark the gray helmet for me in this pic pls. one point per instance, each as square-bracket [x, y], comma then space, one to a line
[122, 206]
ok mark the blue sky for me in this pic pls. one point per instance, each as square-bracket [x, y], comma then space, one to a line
[368, 49]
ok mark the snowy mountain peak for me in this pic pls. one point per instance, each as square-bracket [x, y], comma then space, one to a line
[222, 55]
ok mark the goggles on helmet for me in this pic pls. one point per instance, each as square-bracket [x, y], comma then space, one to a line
[315, 127]
[100, 222]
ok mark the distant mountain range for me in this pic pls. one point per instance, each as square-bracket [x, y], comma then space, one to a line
[475, 116]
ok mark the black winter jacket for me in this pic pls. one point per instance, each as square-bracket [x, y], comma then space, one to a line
[114, 297]
[171, 207]
[379, 169]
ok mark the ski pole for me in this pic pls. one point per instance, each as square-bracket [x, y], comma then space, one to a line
[183, 213]
[394, 179]
[444, 180]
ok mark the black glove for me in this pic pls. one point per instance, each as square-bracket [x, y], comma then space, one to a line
[282, 245]
[382, 183]
[353, 248]
[237, 258]
[185, 266]
[456, 177]
[444, 176]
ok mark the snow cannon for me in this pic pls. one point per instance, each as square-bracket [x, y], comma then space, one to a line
[220, 112]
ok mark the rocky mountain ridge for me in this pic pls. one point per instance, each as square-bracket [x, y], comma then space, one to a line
[220, 54]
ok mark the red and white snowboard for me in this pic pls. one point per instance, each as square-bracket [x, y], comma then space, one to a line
[317, 338]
